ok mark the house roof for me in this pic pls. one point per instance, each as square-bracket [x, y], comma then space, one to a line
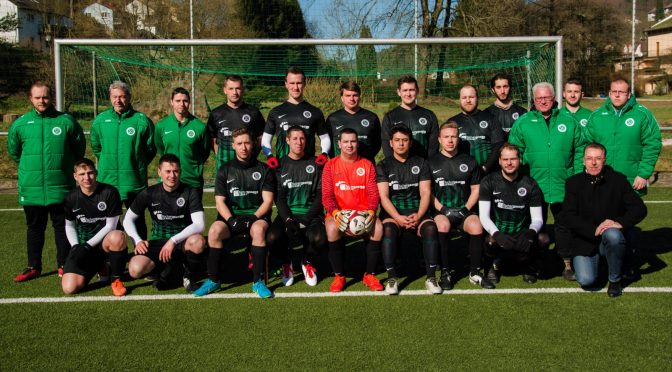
[39, 6]
[663, 24]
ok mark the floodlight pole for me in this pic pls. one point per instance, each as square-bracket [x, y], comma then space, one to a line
[415, 54]
[558, 69]
[632, 56]
[191, 37]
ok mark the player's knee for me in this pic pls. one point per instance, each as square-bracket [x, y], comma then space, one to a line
[258, 230]
[429, 229]
[138, 267]
[217, 232]
[333, 233]
[116, 241]
[442, 224]
[316, 237]
[543, 240]
[70, 286]
[273, 235]
[195, 244]
[390, 230]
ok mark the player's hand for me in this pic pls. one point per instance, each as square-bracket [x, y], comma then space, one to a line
[412, 221]
[272, 162]
[526, 239]
[167, 251]
[141, 247]
[607, 224]
[505, 241]
[322, 159]
[370, 220]
[403, 221]
[639, 183]
[248, 220]
[236, 225]
[293, 228]
[340, 219]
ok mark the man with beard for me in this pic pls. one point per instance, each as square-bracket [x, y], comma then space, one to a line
[504, 109]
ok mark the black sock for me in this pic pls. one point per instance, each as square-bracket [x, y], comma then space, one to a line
[389, 247]
[430, 247]
[118, 263]
[475, 252]
[258, 262]
[193, 264]
[214, 258]
[337, 256]
[372, 254]
[445, 253]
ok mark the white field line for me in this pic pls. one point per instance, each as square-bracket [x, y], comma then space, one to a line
[230, 296]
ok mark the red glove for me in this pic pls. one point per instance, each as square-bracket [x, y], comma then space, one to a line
[272, 162]
[322, 159]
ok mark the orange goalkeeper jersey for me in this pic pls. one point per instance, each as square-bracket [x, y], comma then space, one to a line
[349, 185]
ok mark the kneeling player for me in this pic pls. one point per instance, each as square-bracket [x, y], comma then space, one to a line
[177, 224]
[349, 183]
[92, 212]
[510, 211]
[456, 177]
[405, 187]
[244, 190]
[299, 202]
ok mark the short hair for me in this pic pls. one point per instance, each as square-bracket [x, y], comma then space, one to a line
[295, 71]
[400, 129]
[39, 84]
[348, 131]
[241, 131]
[595, 145]
[234, 78]
[468, 86]
[501, 76]
[169, 158]
[508, 146]
[407, 79]
[449, 124]
[575, 81]
[351, 86]
[180, 90]
[84, 162]
[619, 77]
[118, 84]
[543, 84]
[294, 128]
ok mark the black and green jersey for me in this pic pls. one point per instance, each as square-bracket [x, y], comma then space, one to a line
[403, 179]
[365, 123]
[479, 133]
[170, 211]
[224, 119]
[452, 178]
[506, 117]
[287, 115]
[510, 201]
[299, 182]
[423, 125]
[90, 212]
[241, 184]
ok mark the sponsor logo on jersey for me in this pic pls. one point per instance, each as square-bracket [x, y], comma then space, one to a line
[365, 123]
[341, 185]
[307, 114]
[256, 176]
[165, 217]
[236, 192]
[180, 202]
[562, 128]
[415, 170]
[470, 138]
[483, 124]
[130, 131]
[83, 219]
[226, 132]
[444, 183]
[360, 171]
[464, 168]
[310, 169]
[102, 206]
[292, 185]
[583, 122]
[56, 131]
[191, 133]
[522, 191]
[397, 186]
[515, 116]
[246, 118]
[422, 121]
[629, 122]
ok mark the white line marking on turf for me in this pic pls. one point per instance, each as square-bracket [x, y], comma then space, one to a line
[229, 296]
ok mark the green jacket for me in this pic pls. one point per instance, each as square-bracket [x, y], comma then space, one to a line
[124, 146]
[548, 150]
[189, 141]
[46, 147]
[581, 116]
[631, 136]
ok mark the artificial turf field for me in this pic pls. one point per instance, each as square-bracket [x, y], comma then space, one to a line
[467, 328]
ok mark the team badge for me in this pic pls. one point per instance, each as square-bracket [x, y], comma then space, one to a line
[415, 170]
[522, 191]
[360, 171]
[102, 206]
[483, 124]
[310, 169]
[422, 121]
[630, 122]
[583, 122]
[365, 123]
[180, 202]
[130, 131]
[191, 133]
[56, 131]
[307, 114]
[246, 118]
[464, 168]
[562, 128]
[256, 176]
[515, 116]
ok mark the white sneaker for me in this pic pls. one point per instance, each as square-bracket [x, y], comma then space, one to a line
[392, 286]
[478, 279]
[432, 286]
[287, 274]
[310, 274]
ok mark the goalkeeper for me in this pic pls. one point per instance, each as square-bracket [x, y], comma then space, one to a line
[349, 184]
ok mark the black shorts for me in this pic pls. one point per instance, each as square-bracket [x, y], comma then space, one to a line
[155, 249]
[383, 215]
[266, 217]
[86, 263]
[455, 223]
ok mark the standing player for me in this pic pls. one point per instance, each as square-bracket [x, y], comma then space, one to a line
[480, 133]
[349, 183]
[123, 141]
[44, 142]
[353, 116]
[231, 115]
[405, 187]
[92, 213]
[455, 185]
[510, 211]
[182, 134]
[300, 212]
[243, 196]
[177, 224]
[504, 109]
[573, 93]
[295, 111]
[422, 122]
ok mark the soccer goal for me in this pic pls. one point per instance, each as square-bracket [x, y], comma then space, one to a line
[84, 69]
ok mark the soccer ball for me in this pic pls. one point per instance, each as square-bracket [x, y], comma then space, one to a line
[357, 222]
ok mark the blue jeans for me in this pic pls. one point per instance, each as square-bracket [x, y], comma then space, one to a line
[612, 247]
